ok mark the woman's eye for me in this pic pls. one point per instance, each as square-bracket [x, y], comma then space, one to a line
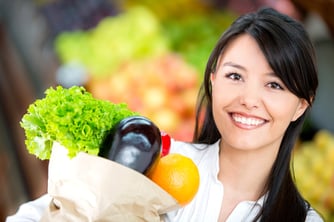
[234, 76]
[275, 85]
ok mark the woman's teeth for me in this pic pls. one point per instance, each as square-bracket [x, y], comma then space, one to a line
[247, 120]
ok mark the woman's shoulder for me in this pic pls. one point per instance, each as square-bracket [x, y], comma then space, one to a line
[313, 216]
[195, 151]
[188, 147]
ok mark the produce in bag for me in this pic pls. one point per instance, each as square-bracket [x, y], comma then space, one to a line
[69, 127]
[135, 142]
[92, 188]
[71, 117]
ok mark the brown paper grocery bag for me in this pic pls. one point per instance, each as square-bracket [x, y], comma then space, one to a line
[91, 188]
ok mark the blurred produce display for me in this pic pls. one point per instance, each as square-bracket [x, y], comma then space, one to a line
[163, 88]
[166, 10]
[194, 36]
[314, 172]
[191, 26]
[69, 15]
[151, 56]
[131, 35]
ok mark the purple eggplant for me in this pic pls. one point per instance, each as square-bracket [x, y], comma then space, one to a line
[135, 143]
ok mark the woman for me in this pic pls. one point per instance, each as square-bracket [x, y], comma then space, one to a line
[259, 83]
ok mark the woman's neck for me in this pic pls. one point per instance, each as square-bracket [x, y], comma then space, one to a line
[245, 172]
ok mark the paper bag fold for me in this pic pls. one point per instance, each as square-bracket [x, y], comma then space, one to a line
[90, 188]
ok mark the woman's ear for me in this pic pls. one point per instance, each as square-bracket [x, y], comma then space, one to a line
[212, 78]
[303, 104]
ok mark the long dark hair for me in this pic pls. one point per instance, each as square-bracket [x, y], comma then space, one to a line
[290, 53]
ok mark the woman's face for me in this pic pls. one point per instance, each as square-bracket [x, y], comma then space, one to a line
[252, 107]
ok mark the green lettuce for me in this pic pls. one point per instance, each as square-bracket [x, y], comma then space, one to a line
[71, 117]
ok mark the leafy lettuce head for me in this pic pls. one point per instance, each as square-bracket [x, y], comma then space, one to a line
[71, 117]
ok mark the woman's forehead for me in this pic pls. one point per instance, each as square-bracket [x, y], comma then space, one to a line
[243, 50]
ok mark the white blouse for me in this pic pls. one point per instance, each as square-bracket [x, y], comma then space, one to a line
[204, 207]
[207, 203]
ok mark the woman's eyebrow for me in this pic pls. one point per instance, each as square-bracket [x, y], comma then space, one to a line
[232, 64]
[237, 66]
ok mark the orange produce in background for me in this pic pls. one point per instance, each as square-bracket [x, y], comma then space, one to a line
[178, 175]
[163, 89]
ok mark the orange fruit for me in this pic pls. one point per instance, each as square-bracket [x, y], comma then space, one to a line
[178, 175]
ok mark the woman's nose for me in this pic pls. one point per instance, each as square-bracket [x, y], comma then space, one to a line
[250, 96]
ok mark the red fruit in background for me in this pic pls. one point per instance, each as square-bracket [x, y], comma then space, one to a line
[165, 143]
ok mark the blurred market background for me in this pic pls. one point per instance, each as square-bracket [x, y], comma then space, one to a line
[151, 55]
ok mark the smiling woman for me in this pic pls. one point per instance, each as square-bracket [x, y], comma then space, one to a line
[259, 83]
[252, 109]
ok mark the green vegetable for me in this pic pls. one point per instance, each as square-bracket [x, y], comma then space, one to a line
[72, 117]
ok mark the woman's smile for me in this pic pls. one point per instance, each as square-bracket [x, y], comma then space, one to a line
[245, 121]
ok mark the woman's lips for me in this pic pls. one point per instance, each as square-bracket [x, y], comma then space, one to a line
[246, 120]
